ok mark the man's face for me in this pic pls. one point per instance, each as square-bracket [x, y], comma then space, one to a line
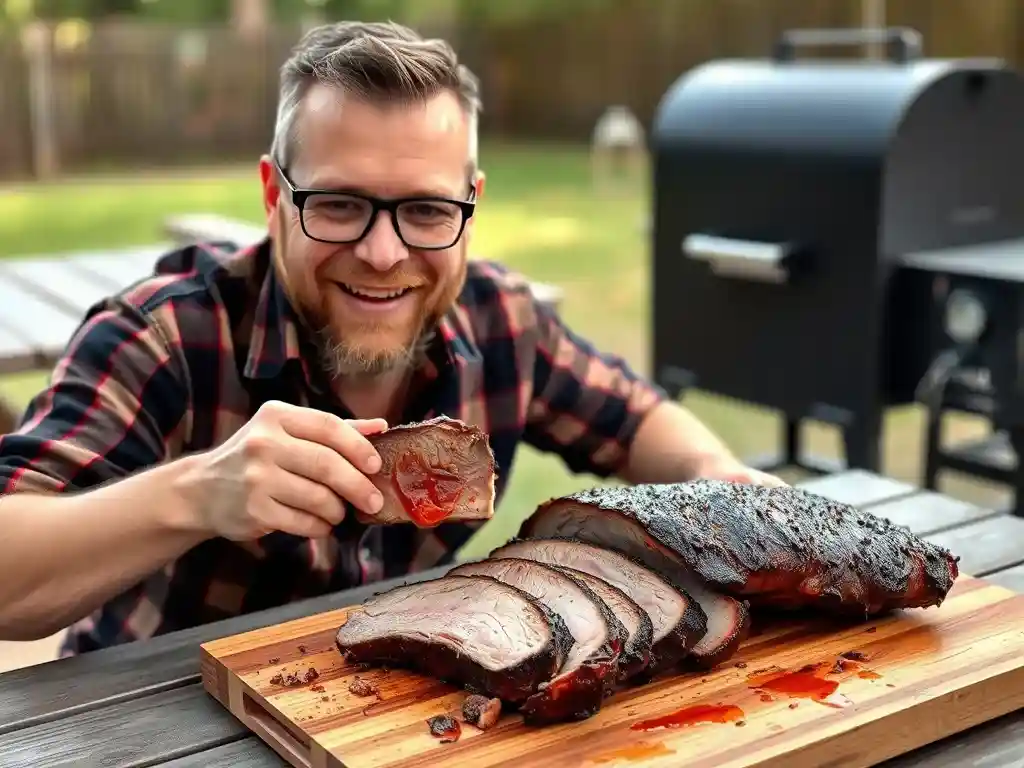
[373, 300]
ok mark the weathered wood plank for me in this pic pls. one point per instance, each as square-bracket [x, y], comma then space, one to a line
[909, 689]
[985, 546]
[119, 269]
[46, 327]
[249, 752]
[53, 280]
[929, 512]
[131, 733]
[17, 353]
[997, 744]
[1011, 578]
[207, 227]
[40, 694]
[858, 487]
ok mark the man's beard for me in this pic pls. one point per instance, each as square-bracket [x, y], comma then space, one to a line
[342, 359]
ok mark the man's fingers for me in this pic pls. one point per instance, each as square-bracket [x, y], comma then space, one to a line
[275, 516]
[327, 429]
[368, 426]
[326, 467]
[306, 495]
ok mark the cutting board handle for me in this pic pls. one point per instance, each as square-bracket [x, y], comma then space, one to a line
[256, 716]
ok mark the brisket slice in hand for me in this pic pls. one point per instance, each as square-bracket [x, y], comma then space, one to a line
[435, 471]
[728, 620]
[679, 623]
[636, 654]
[779, 547]
[590, 668]
[469, 630]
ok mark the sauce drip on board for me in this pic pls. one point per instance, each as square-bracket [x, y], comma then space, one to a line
[640, 751]
[700, 713]
[814, 681]
[428, 494]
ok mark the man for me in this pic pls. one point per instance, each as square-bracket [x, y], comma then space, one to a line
[194, 453]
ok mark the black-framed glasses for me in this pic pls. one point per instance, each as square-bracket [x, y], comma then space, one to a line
[424, 223]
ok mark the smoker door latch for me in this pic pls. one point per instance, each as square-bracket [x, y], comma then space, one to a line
[742, 259]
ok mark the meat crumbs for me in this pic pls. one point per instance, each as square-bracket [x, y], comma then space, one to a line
[445, 728]
[363, 688]
[481, 711]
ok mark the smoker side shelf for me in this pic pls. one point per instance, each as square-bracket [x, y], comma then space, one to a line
[992, 458]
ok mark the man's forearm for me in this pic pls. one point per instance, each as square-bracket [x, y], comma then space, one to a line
[64, 555]
[672, 445]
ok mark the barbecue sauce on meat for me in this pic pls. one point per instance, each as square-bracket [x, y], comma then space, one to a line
[428, 494]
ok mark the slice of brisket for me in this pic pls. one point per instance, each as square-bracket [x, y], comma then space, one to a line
[636, 654]
[435, 471]
[779, 547]
[728, 620]
[469, 630]
[679, 623]
[590, 668]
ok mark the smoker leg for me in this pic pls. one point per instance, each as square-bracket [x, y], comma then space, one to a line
[1017, 441]
[933, 448]
[791, 443]
[863, 444]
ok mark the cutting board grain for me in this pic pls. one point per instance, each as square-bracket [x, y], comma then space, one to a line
[787, 699]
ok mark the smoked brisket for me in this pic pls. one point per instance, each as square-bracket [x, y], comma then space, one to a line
[435, 471]
[590, 668]
[679, 623]
[473, 631]
[778, 547]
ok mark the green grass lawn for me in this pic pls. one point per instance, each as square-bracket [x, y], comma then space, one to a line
[539, 216]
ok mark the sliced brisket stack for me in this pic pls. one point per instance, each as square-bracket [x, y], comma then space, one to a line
[435, 471]
[589, 670]
[679, 623]
[615, 585]
[471, 630]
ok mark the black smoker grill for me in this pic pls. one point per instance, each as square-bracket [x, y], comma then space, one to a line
[811, 218]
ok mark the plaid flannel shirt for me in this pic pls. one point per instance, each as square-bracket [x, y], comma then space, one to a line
[178, 362]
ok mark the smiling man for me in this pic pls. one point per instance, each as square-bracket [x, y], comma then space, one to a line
[203, 436]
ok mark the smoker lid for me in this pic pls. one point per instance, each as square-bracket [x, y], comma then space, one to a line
[1002, 260]
[786, 102]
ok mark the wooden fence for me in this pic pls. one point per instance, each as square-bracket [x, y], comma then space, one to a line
[126, 95]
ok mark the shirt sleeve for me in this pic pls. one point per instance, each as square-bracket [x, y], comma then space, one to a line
[586, 404]
[115, 404]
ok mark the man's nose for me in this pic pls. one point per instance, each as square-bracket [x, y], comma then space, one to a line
[382, 248]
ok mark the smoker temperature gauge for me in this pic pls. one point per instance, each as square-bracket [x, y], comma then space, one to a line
[966, 316]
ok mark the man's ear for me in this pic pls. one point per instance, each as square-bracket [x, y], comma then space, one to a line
[271, 185]
[478, 184]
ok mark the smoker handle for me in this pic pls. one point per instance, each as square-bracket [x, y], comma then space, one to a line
[903, 43]
[744, 259]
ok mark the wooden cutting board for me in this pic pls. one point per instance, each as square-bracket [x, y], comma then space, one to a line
[787, 699]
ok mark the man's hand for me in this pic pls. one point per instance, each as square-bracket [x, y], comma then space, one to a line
[733, 471]
[672, 445]
[289, 469]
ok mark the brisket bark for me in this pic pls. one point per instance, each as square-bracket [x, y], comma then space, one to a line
[679, 623]
[590, 668]
[469, 630]
[776, 547]
[435, 471]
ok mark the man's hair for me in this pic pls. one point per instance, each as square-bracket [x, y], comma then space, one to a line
[381, 61]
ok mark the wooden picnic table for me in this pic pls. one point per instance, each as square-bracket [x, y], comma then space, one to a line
[142, 704]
